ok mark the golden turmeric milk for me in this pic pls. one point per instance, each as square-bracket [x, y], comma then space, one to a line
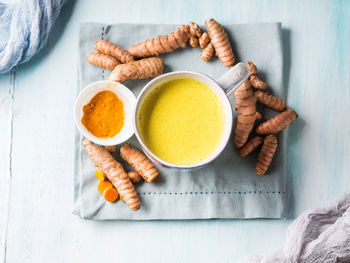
[104, 115]
[181, 121]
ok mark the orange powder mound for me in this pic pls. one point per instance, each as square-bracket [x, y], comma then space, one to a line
[104, 115]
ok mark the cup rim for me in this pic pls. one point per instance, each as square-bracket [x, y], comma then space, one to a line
[223, 143]
[122, 89]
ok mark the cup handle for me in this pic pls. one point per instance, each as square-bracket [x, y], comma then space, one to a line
[233, 78]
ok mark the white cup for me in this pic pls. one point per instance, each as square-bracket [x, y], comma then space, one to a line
[223, 87]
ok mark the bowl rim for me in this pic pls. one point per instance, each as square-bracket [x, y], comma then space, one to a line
[121, 89]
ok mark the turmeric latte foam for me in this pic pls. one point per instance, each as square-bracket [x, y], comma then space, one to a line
[181, 121]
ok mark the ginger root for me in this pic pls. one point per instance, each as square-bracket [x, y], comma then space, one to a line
[277, 123]
[113, 50]
[250, 146]
[134, 177]
[270, 101]
[253, 78]
[102, 60]
[219, 39]
[266, 154]
[246, 102]
[193, 41]
[204, 40]
[139, 162]
[194, 29]
[207, 52]
[161, 44]
[114, 172]
[141, 69]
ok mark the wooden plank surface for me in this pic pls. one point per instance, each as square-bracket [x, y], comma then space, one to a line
[38, 160]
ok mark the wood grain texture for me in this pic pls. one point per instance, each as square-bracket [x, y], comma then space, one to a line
[7, 84]
[41, 227]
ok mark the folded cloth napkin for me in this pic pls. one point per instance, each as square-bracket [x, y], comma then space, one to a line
[316, 236]
[30, 23]
[226, 188]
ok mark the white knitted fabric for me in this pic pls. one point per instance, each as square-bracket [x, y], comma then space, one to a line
[319, 235]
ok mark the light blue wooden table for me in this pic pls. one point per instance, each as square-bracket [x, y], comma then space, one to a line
[37, 132]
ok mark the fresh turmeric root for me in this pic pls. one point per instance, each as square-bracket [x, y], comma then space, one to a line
[246, 102]
[250, 146]
[204, 40]
[114, 172]
[113, 50]
[193, 41]
[103, 185]
[141, 69]
[100, 175]
[194, 30]
[110, 194]
[253, 78]
[277, 123]
[134, 177]
[207, 52]
[266, 154]
[270, 101]
[102, 60]
[139, 162]
[219, 39]
[111, 148]
[161, 44]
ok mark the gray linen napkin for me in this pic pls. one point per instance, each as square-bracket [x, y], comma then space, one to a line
[226, 188]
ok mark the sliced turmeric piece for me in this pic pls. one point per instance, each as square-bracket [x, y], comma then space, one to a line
[141, 69]
[113, 50]
[102, 60]
[256, 82]
[114, 172]
[207, 52]
[266, 154]
[103, 185]
[219, 39]
[139, 162]
[250, 146]
[246, 102]
[110, 194]
[100, 175]
[161, 44]
[277, 123]
[270, 101]
[121, 197]
[134, 177]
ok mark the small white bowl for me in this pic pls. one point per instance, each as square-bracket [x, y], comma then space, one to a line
[123, 93]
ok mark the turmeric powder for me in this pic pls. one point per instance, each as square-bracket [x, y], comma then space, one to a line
[104, 115]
